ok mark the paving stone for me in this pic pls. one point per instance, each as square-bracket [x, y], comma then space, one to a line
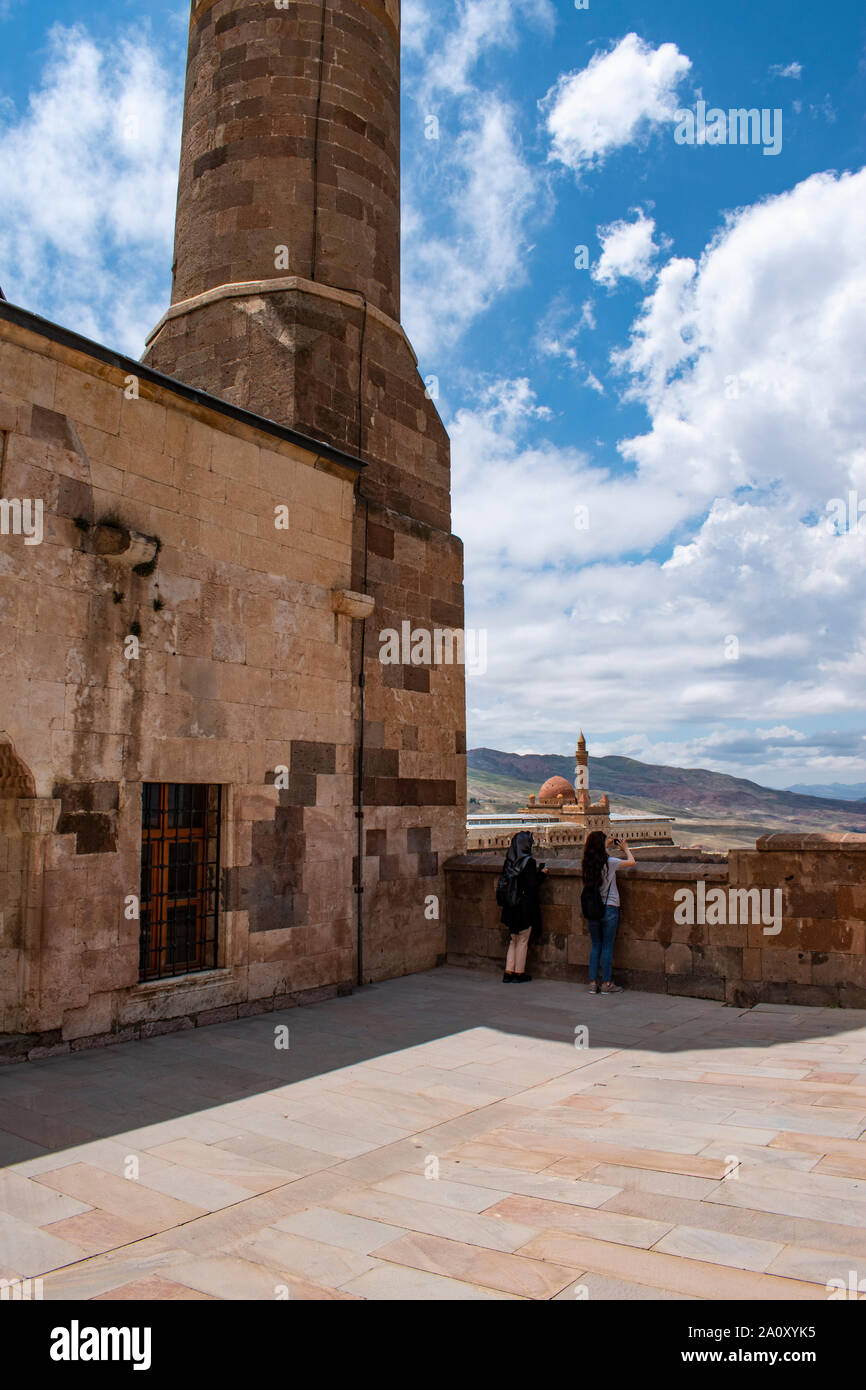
[558, 1173]
[796, 1203]
[154, 1289]
[97, 1231]
[248, 1173]
[112, 1155]
[34, 1204]
[718, 1247]
[338, 1228]
[587, 1221]
[598, 1287]
[198, 1187]
[397, 1282]
[231, 1278]
[527, 1278]
[674, 1273]
[97, 1276]
[491, 1233]
[510, 1180]
[617, 1176]
[322, 1263]
[441, 1193]
[762, 1225]
[798, 1262]
[122, 1197]
[29, 1251]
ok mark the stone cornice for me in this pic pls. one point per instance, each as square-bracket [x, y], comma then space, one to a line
[24, 329]
[280, 285]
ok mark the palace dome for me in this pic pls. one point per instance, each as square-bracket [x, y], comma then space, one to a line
[554, 787]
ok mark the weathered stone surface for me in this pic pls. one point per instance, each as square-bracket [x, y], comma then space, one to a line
[243, 671]
[818, 960]
[313, 342]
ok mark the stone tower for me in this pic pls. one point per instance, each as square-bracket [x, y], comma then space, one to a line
[581, 766]
[286, 302]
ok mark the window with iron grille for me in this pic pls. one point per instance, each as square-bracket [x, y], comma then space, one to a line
[180, 854]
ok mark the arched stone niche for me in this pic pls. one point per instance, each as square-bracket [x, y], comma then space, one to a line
[16, 779]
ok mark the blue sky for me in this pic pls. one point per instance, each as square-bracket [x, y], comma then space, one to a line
[646, 450]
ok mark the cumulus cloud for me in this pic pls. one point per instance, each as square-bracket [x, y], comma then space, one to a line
[751, 362]
[627, 250]
[618, 98]
[794, 70]
[761, 755]
[711, 583]
[89, 173]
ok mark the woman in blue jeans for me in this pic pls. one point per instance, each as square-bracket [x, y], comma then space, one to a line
[599, 871]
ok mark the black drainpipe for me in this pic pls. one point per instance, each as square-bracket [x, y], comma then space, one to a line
[362, 681]
[314, 257]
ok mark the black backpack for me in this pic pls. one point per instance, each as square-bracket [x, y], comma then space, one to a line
[508, 890]
[592, 904]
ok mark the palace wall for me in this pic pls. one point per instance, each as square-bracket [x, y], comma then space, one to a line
[244, 667]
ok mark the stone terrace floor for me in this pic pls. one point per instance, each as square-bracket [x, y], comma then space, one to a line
[303, 1173]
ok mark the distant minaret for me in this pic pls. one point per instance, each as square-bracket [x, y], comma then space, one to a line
[581, 766]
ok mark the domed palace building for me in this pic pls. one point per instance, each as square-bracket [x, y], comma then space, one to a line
[562, 815]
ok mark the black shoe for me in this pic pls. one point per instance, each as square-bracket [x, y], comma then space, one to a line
[523, 979]
[509, 977]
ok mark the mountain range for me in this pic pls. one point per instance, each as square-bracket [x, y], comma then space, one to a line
[501, 781]
[839, 791]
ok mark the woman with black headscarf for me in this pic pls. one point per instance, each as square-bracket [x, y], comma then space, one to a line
[517, 894]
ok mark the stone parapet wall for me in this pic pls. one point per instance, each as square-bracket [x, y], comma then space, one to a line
[818, 957]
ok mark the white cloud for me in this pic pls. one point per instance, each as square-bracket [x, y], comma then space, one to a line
[750, 364]
[627, 249]
[771, 755]
[89, 173]
[794, 70]
[416, 20]
[479, 25]
[620, 96]
[489, 197]
[826, 109]
[559, 331]
[470, 200]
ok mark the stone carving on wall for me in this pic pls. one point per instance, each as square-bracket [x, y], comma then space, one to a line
[37, 815]
[15, 779]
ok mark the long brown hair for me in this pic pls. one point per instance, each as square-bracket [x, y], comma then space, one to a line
[594, 859]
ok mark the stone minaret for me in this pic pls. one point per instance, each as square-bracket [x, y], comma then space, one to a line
[286, 301]
[581, 766]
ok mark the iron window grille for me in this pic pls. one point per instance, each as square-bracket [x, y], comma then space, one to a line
[180, 864]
